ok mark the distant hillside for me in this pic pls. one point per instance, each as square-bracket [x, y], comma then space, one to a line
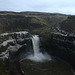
[35, 22]
[68, 25]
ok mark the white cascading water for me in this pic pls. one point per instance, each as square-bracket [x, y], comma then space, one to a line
[36, 41]
[38, 56]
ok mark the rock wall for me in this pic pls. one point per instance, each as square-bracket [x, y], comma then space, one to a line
[62, 47]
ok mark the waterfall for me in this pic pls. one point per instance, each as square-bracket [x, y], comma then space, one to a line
[36, 41]
[37, 55]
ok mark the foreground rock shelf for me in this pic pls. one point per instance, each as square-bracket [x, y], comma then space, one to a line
[55, 67]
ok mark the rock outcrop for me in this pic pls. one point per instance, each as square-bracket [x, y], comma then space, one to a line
[61, 46]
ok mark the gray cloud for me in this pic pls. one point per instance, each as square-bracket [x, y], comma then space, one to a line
[59, 6]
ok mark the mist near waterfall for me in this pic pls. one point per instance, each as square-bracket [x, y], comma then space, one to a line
[37, 55]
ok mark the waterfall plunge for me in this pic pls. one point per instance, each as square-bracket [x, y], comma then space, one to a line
[38, 56]
[36, 41]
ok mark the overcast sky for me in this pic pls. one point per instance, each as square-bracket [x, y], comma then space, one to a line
[52, 6]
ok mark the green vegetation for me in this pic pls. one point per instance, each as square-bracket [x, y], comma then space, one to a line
[45, 33]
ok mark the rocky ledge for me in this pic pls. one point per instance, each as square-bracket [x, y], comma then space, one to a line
[62, 46]
[14, 47]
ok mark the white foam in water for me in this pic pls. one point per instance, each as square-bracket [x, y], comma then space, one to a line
[38, 56]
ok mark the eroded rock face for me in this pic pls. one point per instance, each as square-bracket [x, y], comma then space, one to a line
[62, 47]
[19, 46]
[15, 45]
[22, 52]
[12, 49]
